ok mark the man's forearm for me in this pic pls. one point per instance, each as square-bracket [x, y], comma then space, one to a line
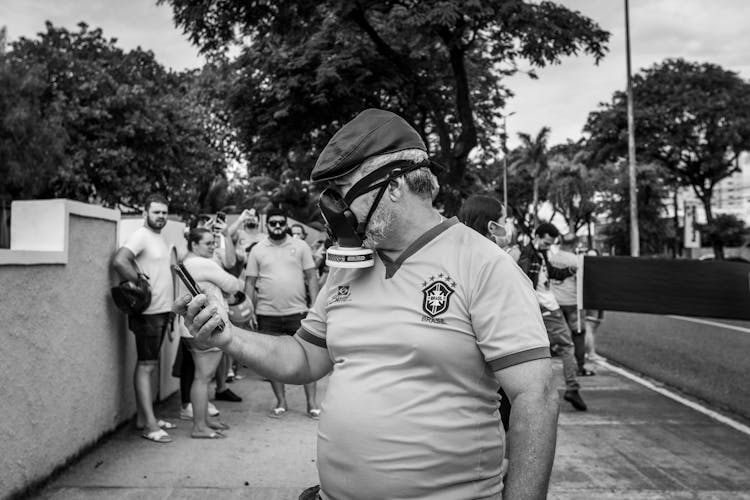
[279, 358]
[125, 267]
[531, 445]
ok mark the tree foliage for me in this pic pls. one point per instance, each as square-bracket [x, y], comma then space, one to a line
[307, 67]
[725, 230]
[655, 229]
[531, 157]
[576, 190]
[691, 118]
[85, 120]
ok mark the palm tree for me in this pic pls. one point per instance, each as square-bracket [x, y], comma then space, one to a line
[532, 157]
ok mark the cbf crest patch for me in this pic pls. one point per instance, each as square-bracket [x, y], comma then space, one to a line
[436, 294]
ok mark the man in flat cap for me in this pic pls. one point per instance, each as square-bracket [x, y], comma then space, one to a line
[418, 336]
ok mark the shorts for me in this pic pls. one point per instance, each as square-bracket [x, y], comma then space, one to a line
[149, 331]
[280, 325]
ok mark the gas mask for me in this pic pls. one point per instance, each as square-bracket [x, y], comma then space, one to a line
[342, 224]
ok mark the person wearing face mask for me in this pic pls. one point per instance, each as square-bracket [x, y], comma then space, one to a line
[486, 215]
[419, 323]
[279, 276]
[535, 263]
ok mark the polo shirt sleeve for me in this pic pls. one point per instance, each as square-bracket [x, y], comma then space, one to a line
[505, 315]
[251, 268]
[313, 327]
[307, 258]
[136, 242]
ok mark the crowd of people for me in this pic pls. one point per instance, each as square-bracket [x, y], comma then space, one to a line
[433, 330]
[274, 274]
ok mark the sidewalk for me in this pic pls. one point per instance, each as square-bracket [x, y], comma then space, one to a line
[632, 444]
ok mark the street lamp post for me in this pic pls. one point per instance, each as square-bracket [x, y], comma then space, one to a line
[634, 233]
[505, 161]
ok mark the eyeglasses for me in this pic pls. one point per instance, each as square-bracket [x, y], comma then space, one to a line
[277, 223]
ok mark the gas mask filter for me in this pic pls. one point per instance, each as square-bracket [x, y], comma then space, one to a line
[342, 224]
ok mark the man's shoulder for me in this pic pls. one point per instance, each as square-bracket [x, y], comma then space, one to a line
[141, 236]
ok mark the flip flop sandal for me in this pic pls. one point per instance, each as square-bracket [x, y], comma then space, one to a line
[157, 436]
[218, 426]
[278, 412]
[163, 424]
[314, 413]
[213, 435]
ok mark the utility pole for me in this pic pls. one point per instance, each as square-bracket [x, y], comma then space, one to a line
[634, 233]
[505, 161]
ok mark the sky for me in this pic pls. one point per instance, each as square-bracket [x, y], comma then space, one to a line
[698, 30]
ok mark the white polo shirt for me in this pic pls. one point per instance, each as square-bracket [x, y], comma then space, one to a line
[153, 258]
[281, 278]
[411, 409]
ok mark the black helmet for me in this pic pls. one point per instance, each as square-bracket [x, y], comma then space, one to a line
[132, 298]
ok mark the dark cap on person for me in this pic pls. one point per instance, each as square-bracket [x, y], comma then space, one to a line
[373, 132]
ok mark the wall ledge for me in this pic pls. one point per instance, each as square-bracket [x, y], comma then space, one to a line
[40, 229]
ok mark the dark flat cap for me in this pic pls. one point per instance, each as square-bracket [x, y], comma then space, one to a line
[373, 132]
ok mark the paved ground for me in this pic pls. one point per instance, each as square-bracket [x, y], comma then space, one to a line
[702, 359]
[633, 444]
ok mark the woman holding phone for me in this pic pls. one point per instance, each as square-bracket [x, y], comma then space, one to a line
[216, 284]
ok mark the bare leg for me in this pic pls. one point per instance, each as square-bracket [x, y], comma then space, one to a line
[144, 400]
[221, 374]
[280, 393]
[205, 366]
[591, 326]
[311, 393]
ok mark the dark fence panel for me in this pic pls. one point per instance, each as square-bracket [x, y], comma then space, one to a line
[714, 289]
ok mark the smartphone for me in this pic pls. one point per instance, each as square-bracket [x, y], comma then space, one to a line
[192, 287]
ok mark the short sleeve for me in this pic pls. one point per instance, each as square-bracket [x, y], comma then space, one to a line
[505, 315]
[136, 242]
[313, 328]
[307, 258]
[213, 273]
[252, 268]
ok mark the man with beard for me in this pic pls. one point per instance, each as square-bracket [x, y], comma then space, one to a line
[145, 253]
[418, 340]
[279, 276]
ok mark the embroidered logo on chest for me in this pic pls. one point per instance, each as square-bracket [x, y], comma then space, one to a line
[436, 294]
[341, 294]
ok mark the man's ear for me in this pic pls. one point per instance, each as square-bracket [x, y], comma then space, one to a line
[396, 188]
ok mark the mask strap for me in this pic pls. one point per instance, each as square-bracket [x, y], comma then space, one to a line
[363, 186]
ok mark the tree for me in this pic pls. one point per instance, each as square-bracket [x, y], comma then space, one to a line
[724, 230]
[575, 190]
[691, 118]
[531, 156]
[307, 67]
[655, 228]
[126, 125]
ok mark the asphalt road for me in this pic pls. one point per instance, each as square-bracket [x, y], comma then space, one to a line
[697, 356]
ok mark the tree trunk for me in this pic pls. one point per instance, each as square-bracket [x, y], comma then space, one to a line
[717, 244]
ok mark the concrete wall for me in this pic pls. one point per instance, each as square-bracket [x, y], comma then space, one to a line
[67, 357]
